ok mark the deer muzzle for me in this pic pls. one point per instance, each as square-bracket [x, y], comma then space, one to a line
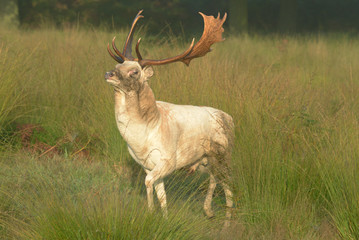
[108, 75]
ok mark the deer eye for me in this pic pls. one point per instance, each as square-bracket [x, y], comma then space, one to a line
[133, 72]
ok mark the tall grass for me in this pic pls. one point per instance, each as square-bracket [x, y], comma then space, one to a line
[64, 199]
[294, 102]
[10, 94]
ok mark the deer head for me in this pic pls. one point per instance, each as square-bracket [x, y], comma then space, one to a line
[131, 72]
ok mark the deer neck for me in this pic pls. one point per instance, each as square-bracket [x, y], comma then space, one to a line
[138, 106]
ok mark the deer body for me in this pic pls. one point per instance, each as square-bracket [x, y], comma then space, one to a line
[182, 134]
[163, 137]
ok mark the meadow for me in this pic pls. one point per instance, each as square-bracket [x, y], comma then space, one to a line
[295, 165]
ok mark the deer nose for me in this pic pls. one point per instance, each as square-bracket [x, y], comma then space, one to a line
[108, 75]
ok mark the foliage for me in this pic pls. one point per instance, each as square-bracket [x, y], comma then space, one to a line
[176, 15]
[115, 14]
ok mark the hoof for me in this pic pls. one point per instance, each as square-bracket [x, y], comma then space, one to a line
[209, 215]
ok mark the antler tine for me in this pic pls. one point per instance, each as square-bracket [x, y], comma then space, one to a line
[117, 59]
[127, 49]
[116, 50]
[224, 18]
[180, 57]
[139, 57]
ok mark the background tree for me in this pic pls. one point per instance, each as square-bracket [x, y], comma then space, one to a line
[25, 11]
[287, 16]
[8, 12]
[175, 15]
[238, 16]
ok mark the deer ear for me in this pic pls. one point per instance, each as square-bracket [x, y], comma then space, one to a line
[148, 72]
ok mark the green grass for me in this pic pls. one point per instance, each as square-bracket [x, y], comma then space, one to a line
[70, 199]
[294, 102]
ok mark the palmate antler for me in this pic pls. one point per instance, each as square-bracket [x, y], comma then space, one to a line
[212, 33]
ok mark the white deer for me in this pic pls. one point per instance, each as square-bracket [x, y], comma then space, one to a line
[163, 137]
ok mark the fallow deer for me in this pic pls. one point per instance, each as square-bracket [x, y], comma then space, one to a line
[163, 137]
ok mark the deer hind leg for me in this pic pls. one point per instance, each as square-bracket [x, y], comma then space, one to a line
[229, 203]
[228, 193]
[222, 176]
[208, 201]
[218, 167]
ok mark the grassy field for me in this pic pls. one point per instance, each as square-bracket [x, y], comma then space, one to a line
[295, 166]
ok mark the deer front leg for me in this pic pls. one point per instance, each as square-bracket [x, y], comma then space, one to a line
[149, 190]
[154, 177]
[161, 195]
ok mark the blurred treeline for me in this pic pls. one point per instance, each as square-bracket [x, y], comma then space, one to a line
[244, 15]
